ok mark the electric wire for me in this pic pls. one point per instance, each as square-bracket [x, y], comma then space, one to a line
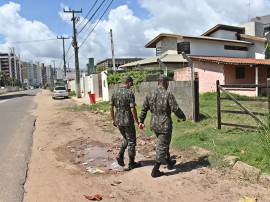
[88, 13]
[96, 23]
[91, 17]
[39, 40]
[88, 28]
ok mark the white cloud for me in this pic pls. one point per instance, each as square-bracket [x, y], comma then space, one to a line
[24, 35]
[130, 32]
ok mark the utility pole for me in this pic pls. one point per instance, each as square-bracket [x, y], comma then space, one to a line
[64, 55]
[54, 71]
[76, 48]
[113, 59]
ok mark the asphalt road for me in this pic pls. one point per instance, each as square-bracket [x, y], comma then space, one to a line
[16, 132]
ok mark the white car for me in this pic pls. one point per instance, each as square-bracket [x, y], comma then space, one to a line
[60, 91]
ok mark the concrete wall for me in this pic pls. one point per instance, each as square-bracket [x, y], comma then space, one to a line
[180, 89]
[207, 74]
[88, 83]
[105, 87]
[224, 34]
[254, 29]
[168, 43]
[9, 89]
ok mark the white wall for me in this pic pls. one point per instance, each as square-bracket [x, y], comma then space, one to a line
[215, 48]
[94, 87]
[87, 83]
[105, 88]
[224, 34]
[60, 73]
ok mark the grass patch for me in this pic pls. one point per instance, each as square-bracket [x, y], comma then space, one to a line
[72, 93]
[251, 146]
[94, 107]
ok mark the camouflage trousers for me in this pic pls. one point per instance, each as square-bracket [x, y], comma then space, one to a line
[163, 147]
[129, 139]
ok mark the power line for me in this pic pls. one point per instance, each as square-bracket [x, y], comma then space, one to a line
[88, 13]
[91, 17]
[85, 32]
[97, 23]
[41, 40]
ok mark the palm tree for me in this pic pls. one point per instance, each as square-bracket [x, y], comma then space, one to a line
[3, 78]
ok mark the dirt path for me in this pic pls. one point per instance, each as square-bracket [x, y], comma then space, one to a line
[63, 140]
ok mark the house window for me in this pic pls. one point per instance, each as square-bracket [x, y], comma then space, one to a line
[268, 72]
[240, 72]
[158, 51]
[183, 47]
[239, 48]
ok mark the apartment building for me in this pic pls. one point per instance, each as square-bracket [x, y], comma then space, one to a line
[10, 65]
[108, 64]
[265, 20]
[32, 74]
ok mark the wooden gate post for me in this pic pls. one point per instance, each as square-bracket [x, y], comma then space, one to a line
[218, 106]
[197, 101]
[268, 94]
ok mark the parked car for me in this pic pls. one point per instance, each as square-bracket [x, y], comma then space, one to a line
[60, 91]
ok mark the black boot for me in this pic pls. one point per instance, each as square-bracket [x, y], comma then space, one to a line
[156, 172]
[132, 164]
[120, 157]
[170, 163]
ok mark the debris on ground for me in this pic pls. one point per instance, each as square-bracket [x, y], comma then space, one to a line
[95, 197]
[115, 182]
[94, 170]
[248, 199]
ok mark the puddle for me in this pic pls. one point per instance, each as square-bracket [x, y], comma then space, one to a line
[100, 157]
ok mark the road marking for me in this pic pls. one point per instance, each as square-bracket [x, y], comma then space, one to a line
[3, 101]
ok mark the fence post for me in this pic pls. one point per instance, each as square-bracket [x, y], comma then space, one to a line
[268, 94]
[197, 101]
[218, 106]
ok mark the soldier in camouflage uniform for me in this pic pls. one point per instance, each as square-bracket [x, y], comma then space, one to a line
[161, 103]
[123, 100]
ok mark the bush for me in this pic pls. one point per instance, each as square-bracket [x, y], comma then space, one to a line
[72, 93]
[138, 76]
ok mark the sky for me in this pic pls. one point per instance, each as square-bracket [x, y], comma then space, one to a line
[31, 27]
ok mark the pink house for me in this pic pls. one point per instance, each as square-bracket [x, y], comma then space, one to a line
[230, 54]
[228, 71]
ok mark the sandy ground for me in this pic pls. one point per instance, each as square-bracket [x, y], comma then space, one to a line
[66, 143]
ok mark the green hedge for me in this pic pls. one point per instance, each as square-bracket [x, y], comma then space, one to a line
[138, 76]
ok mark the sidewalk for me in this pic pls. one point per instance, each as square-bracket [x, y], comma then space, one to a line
[86, 99]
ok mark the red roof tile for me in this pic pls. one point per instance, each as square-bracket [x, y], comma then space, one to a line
[233, 61]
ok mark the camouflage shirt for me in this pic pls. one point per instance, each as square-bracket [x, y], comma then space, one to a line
[161, 104]
[123, 100]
